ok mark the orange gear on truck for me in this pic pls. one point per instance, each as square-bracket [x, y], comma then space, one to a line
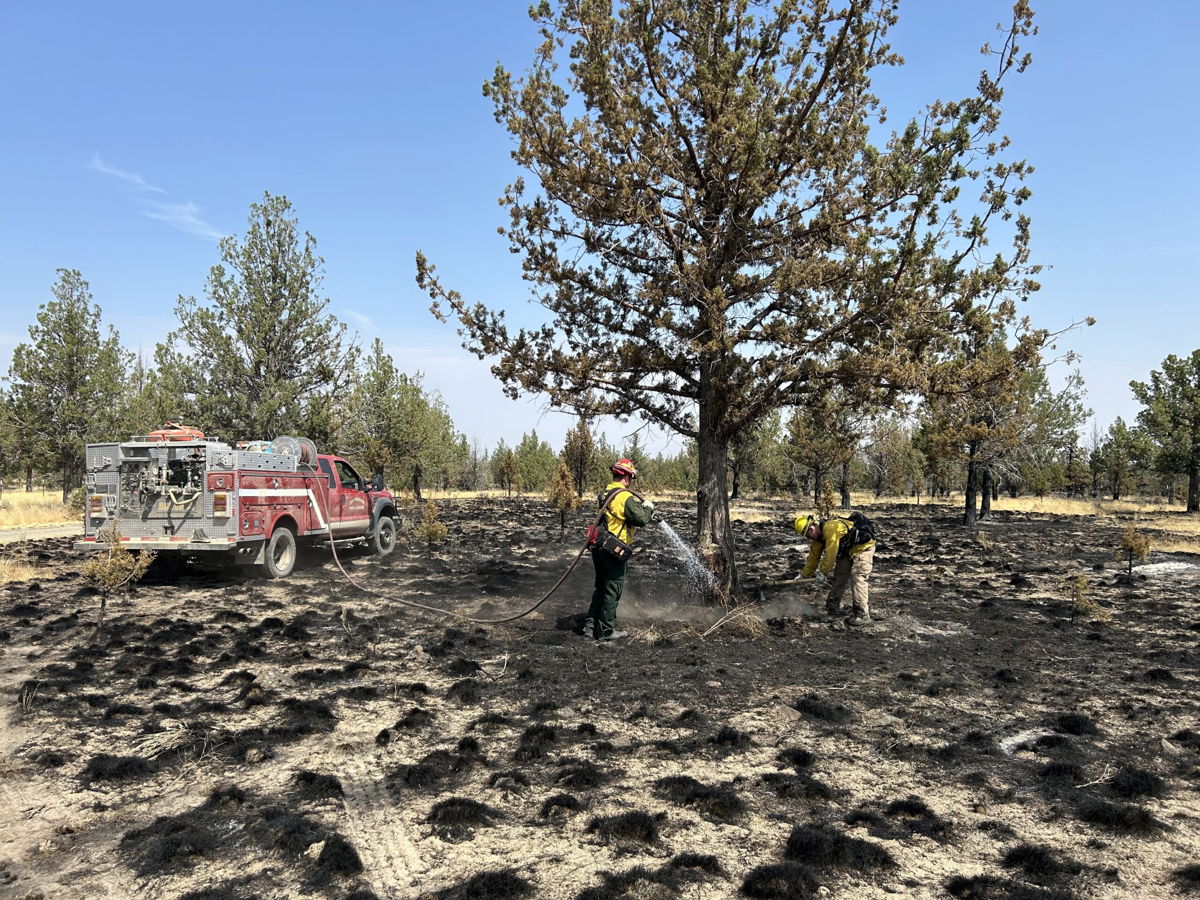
[174, 431]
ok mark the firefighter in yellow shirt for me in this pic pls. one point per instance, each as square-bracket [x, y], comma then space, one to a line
[624, 513]
[837, 559]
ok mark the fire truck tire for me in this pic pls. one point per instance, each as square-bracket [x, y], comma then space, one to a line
[384, 541]
[280, 555]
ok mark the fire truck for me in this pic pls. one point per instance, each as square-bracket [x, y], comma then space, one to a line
[178, 492]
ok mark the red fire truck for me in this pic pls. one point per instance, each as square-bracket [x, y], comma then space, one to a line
[176, 491]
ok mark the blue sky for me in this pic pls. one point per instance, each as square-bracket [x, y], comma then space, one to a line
[132, 135]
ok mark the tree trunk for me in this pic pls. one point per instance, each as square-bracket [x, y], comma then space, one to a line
[1193, 489]
[29, 479]
[844, 484]
[714, 536]
[970, 516]
[416, 484]
[985, 505]
[736, 471]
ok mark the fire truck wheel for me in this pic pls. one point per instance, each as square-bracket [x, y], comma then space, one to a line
[384, 541]
[280, 554]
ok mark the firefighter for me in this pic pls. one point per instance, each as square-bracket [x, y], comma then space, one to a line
[624, 513]
[837, 560]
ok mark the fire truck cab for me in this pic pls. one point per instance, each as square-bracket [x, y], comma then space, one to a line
[175, 491]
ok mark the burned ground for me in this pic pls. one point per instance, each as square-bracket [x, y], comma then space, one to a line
[225, 736]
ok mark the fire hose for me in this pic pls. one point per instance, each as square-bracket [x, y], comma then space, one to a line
[449, 612]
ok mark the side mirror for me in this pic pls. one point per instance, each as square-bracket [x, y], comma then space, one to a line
[376, 483]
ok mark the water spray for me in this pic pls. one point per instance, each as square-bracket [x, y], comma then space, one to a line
[703, 581]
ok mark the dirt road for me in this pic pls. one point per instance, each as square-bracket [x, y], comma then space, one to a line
[40, 533]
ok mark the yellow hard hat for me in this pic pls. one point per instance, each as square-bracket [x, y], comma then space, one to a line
[803, 523]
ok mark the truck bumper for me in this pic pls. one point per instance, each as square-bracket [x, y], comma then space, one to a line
[182, 544]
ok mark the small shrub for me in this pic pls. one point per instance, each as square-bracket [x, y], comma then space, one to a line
[1119, 817]
[115, 568]
[561, 496]
[1187, 879]
[635, 825]
[821, 846]
[782, 881]
[431, 528]
[1083, 606]
[1132, 545]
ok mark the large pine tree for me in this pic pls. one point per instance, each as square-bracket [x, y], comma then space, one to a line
[724, 225]
[262, 356]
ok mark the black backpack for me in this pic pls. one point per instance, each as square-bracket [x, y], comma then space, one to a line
[864, 529]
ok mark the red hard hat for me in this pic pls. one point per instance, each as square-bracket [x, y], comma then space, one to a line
[624, 467]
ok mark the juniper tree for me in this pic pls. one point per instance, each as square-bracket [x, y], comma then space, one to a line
[561, 495]
[1120, 456]
[1171, 416]
[579, 454]
[893, 462]
[1044, 456]
[66, 383]
[397, 427]
[536, 462]
[758, 455]
[721, 222]
[262, 356]
[506, 474]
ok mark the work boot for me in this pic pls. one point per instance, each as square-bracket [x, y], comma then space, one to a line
[856, 619]
[613, 636]
[588, 628]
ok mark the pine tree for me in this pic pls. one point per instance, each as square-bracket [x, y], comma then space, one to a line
[579, 454]
[1120, 456]
[536, 462]
[506, 474]
[1171, 416]
[261, 357]
[65, 385]
[395, 426]
[720, 231]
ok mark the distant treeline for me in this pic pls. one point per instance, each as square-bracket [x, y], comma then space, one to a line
[261, 356]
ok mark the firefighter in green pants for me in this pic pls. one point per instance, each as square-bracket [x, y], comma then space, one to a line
[624, 513]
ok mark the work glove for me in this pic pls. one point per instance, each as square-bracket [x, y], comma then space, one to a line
[648, 505]
[821, 578]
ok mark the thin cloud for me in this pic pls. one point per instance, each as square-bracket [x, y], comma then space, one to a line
[185, 217]
[96, 164]
[364, 321]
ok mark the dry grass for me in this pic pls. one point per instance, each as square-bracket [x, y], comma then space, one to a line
[21, 510]
[745, 620]
[16, 570]
[1175, 543]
